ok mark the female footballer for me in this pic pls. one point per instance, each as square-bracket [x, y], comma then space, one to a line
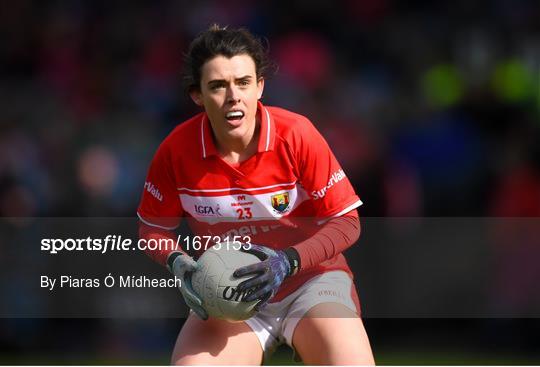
[240, 167]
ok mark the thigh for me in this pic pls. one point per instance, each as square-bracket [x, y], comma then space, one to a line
[330, 334]
[216, 342]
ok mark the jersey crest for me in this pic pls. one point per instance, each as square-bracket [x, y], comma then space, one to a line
[280, 202]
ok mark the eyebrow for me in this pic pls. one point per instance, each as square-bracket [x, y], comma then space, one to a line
[213, 81]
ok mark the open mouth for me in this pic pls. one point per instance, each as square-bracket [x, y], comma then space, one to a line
[234, 115]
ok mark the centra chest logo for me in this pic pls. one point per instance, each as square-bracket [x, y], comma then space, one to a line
[280, 202]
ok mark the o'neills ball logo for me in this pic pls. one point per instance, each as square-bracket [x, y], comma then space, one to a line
[232, 294]
[280, 202]
[334, 179]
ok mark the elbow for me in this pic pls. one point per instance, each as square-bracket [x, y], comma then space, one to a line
[357, 230]
[349, 226]
[354, 226]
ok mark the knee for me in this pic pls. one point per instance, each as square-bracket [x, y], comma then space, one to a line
[194, 360]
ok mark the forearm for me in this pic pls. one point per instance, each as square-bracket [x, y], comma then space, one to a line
[334, 237]
[164, 237]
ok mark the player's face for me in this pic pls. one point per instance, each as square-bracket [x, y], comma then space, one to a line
[229, 93]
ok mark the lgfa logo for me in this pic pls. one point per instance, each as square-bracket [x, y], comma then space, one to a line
[207, 210]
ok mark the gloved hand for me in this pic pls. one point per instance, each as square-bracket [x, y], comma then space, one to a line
[270, 273]
[182, 267]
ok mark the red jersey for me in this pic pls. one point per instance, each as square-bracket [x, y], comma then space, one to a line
[277, 197]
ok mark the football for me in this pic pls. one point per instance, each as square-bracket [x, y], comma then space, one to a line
[214, 283]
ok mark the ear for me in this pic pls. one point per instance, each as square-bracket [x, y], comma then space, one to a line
[260, 88]
[196, 96]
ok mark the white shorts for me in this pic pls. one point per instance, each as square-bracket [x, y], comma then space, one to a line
[275, 324]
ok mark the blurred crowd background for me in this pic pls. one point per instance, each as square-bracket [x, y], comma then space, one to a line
[433, 109]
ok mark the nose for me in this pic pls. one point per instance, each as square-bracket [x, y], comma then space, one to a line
[233, 95]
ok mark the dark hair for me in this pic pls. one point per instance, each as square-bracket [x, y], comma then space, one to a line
[218, 40]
